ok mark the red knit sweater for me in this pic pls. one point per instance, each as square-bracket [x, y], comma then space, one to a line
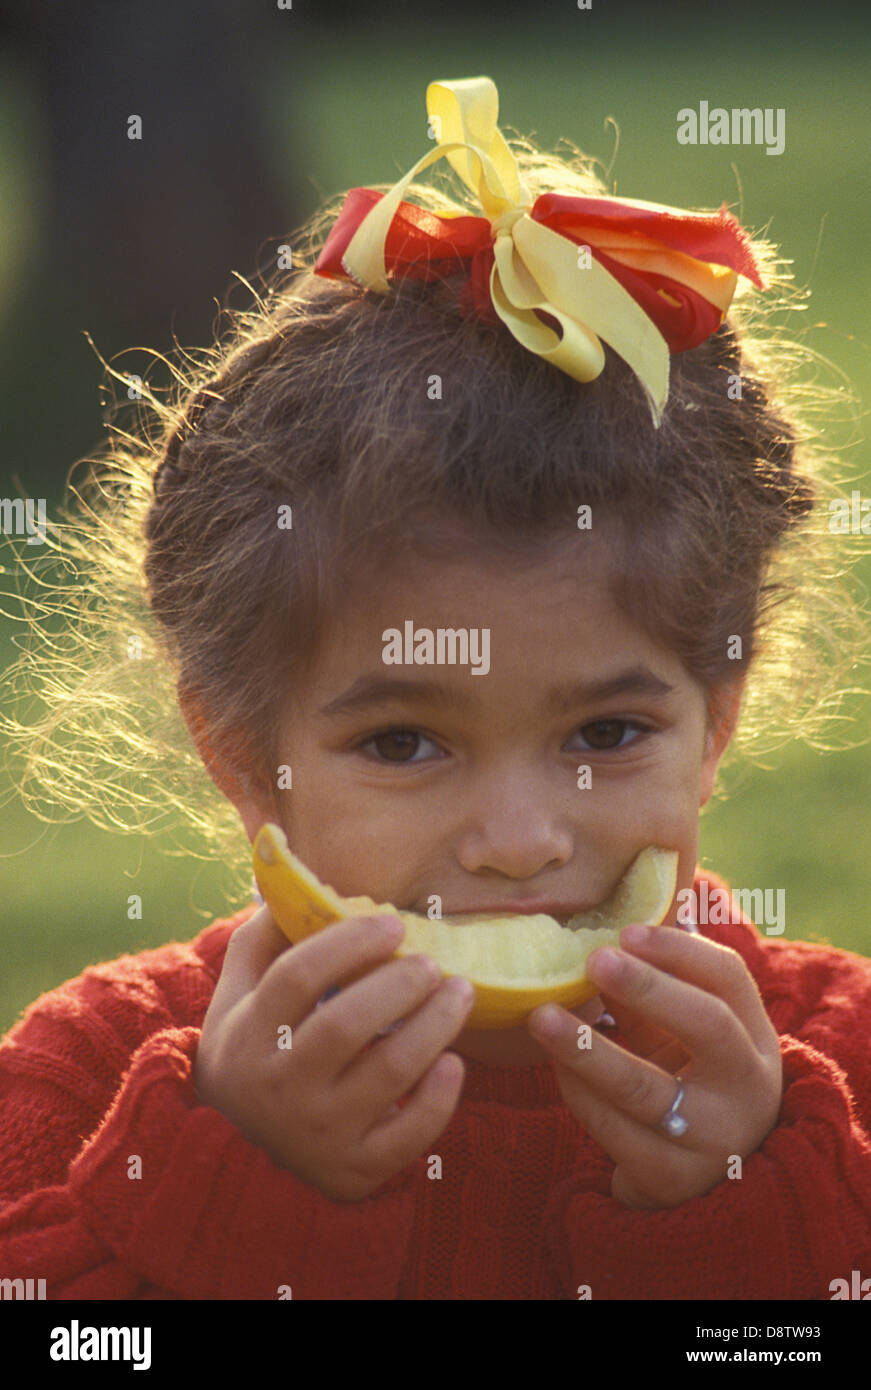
[100, 1071]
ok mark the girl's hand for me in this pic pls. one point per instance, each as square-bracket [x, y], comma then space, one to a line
[686, 1005]
[326, 1106]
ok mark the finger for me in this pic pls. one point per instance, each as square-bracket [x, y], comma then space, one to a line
[642, 1037]
[293, 984]
[654, 1044]
[703, 1022]
[632, 1084]
[667, 1053]
[394, 1142]
[392, 1067]
[646, 1040]
[673, 1058]
[335, 1036]
[637, 1148]
[709, 966]
[251, 950]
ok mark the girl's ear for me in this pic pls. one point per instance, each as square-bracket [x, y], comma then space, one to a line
[723, 711]
[241, 790]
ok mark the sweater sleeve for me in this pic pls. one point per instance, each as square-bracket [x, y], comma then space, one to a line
[799, 1215]
[137, 1190]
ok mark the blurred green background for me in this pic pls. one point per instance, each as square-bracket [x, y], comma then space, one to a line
[249, 120]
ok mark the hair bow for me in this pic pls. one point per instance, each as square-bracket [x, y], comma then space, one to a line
[646, 278]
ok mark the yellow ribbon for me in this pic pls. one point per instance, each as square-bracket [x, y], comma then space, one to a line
[534, 267]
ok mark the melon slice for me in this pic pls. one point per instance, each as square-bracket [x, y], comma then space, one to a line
[514, 962]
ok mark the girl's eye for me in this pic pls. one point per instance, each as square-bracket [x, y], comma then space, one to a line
[397, 745]
[401, 745]
[605, 734]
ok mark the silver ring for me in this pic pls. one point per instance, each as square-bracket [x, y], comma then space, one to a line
[672, 1122]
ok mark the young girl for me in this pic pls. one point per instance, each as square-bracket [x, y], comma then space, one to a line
[528, 416]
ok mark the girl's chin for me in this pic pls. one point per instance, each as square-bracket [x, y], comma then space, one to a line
[516, 1046]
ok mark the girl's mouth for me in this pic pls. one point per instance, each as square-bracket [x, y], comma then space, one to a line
[569, 918]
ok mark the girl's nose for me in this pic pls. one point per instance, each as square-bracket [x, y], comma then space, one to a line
[515, 830]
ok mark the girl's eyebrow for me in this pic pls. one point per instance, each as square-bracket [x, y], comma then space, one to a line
[376, 689]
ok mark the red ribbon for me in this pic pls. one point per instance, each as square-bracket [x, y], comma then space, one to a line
[422, 245]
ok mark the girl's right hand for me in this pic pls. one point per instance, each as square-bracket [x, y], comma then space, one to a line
[325, 1107]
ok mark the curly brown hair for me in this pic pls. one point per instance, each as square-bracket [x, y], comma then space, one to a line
[316, 398]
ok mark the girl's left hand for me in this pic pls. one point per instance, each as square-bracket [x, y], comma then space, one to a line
[687, 1005]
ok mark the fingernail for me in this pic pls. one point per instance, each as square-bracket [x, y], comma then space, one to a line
[606, 964]
[547, 1021]
[391, 928]
[429, 966]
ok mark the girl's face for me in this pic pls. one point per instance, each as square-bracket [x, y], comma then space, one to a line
[414, 780]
